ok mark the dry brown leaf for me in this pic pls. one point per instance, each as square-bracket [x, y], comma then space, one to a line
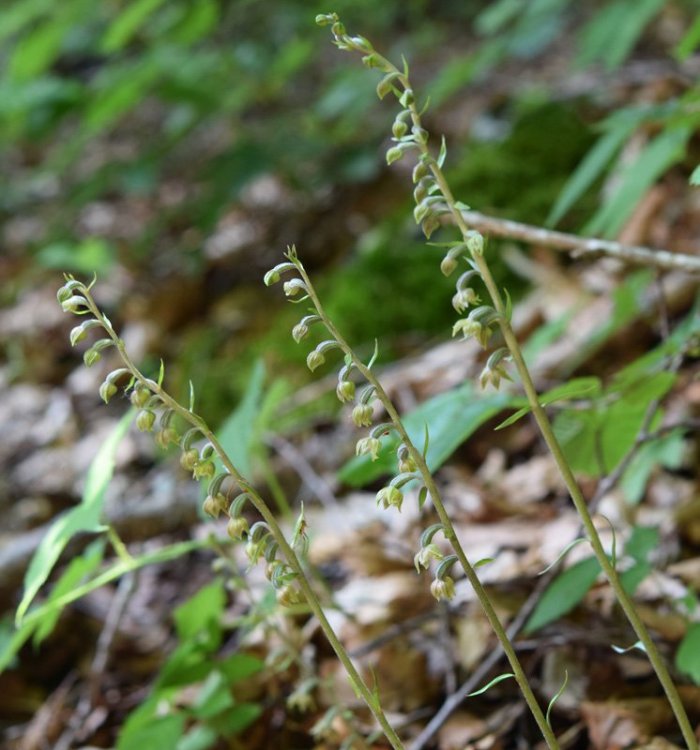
[614, 725]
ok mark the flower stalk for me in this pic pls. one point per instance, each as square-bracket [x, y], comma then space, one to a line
[434, 198]
[292, 580]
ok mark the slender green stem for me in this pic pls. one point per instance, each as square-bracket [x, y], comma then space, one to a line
[262, 508]
[448, 527]
[550, 439]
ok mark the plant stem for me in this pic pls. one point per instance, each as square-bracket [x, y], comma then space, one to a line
[448, 527]
[262, 508]
[550, 439]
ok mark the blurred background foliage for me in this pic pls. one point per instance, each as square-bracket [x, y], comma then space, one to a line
[175, 148]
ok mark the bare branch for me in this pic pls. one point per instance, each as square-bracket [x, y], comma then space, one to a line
[580, 246]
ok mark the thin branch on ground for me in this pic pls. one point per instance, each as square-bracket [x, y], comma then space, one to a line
[582, 246]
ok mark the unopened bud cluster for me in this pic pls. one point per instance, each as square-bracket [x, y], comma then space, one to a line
[362, 412]
[155, 413]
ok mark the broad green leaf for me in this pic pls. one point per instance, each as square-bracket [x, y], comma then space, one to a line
[632, 577]
[688, 654]
[92, 255]
[214, 696]
[201, 613]
[642, 541]
[238, 718]
[623, 419]
[238, 432]
[160, 732]
[564, 593]
[200, 737]
[84, 518]
[240, 666]
[662, 152]
[451, 418]
[576, 388]
[577, 432]
[667, 451]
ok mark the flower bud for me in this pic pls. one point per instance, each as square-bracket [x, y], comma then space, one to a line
[368, 446]
[145, 420]
[326, 19]
[139, 397]
[443, 588]
[389, 497]
[475, 243]
[448, 265]
[211, 507]
[237, 528]
[299, 331]
[293, 287]
[345, 391]
[289, 595]
[420, 171]
[79, 333]
[74, 304]
[167, 436]
[394, 154]
[362, 415]
[107, 390]
[399, 128]
[91, 357]
[315, 359]
[407, 465]
[189, 458]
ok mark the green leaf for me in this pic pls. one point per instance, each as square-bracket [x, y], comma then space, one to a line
[493, 682]
[76, 572]
[577, 433]
[213, 697]
[84, 518]
[513, 418]
[689, 43]
[695, 176]
[238, 433]
[451, 418]
[240, 666]
[688, 654]
[642, 541]
[661, 153]
[161, 731]
[127, 24]
[614, 30]
[200, 737]
[201, 613]
[564, 593]
[667, 451]
[586, 386]
[596, 161]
